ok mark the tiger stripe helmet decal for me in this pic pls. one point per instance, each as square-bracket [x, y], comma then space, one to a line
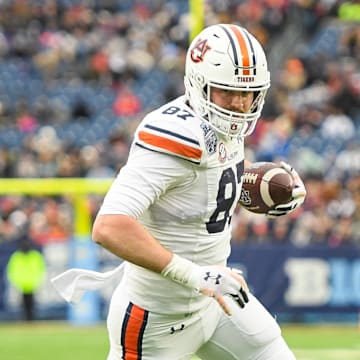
[245, 58]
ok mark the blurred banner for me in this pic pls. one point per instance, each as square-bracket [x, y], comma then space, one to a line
[303, 284]
[295, 284]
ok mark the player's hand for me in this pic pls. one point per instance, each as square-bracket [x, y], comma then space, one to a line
[214, 281]
[218, 281]
[298, 194]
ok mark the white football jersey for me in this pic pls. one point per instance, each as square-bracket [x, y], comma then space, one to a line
[182, 181]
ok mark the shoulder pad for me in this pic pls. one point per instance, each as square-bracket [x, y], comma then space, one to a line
[171, 135]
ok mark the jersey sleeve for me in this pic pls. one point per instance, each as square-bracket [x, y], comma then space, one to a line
[170, 135]
[146, 176]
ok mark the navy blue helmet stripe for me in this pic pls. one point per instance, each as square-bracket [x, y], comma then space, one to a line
[233, 46]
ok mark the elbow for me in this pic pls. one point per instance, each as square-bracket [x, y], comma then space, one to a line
[100, 232]
[112, 232]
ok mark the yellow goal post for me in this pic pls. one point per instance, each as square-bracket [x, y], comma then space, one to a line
[77, 188]
[197, 15]
[83, 250]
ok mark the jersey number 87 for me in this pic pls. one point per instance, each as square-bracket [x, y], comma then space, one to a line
[224, 205]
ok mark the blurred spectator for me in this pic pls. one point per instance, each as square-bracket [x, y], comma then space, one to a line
[25, 121]
[338, 125]
[26, 271]
[280, 231]
[126, 103]
[350, 42]
[52, 223]
[293, 76]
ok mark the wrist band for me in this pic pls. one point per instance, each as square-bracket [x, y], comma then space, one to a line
[181, 271]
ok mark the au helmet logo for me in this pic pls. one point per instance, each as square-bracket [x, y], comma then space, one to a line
[199, 50]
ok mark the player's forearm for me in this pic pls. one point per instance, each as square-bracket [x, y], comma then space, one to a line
[126, 238]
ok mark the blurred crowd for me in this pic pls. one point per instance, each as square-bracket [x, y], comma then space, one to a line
[76, 77]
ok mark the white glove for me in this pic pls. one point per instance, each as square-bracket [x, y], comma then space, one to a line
[214, 281]
[298, 194]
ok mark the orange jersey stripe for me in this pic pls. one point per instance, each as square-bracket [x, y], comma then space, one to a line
[170, 145]
[243, 48]
[133, 332]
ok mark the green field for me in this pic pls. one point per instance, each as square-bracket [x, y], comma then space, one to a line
[59, 341]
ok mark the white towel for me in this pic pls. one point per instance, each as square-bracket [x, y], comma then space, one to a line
[73, 283]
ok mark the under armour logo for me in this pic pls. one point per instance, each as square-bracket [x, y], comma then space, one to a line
[213, 277]
[179, 328]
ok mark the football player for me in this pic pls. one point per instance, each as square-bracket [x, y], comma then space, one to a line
[168, 215]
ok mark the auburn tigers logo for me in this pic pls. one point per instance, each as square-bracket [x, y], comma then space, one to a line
[199, 50]
[245, 198]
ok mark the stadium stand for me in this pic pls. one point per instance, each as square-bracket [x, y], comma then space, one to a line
[77, 76]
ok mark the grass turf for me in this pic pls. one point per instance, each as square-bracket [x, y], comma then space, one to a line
[59, 341]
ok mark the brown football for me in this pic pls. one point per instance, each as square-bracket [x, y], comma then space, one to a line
[265, 185]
